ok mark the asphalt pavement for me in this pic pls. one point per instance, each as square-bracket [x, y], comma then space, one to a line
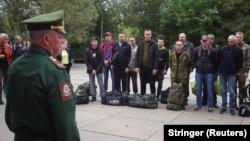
[98, 122]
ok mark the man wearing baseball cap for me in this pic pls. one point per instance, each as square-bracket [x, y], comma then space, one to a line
[108, 49]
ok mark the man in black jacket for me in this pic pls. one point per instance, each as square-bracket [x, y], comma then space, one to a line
[121, 62]
[94, 63]
[147, 61]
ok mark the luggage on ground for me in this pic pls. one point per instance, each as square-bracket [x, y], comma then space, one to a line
[164, 95]
[143, 101]
[115, 98]
[81, 96]
[86, 87]
[176, 98]
[244, 109]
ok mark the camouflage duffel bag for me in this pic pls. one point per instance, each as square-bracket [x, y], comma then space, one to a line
[85, 87]
[143, 101]
[176, 97]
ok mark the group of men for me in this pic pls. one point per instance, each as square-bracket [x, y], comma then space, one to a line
[124, 60]
[229, 63]
[40, 100]
[8, 53]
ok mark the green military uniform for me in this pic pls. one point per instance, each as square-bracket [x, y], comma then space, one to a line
[40, 101]
[180, 69]
[245, 68]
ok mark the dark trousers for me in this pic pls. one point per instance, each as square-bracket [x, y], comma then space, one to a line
[159, 79]
[68, 66]
[146, 77]
[120, 78]
[133, 77]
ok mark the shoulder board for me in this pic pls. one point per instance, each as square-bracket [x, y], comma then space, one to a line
[56, 62]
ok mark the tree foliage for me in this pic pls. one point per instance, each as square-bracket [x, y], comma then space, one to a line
[193, 17]
[167, 18]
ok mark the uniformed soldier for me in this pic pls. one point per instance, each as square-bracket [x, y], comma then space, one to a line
[40, 101]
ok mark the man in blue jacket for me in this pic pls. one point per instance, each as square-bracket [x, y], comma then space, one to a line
[230, 62]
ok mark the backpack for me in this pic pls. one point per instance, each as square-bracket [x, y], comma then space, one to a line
[244, 109]
[176, 97]
[164, 95]
[84, 88]
[81, 96]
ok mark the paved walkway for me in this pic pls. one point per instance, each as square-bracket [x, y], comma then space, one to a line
[97, 122]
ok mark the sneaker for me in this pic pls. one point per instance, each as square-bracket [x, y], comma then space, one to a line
[222, 111]
[1, 102]
[93, 99]
[232, 112]
[210, 109]
[197, 108]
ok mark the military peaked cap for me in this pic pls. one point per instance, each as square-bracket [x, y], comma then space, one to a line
[53, 21]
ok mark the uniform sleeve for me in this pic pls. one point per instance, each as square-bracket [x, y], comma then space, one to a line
[62, 104]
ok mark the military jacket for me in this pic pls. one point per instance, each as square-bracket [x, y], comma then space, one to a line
[246, 57]
[40, 101]
[179, 68]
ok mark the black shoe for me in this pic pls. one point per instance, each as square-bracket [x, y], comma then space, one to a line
[222, 111]
[210, 109]
[93, 99]
[232, 112]
[216, 106]
[1, 102]
[197, 108]
[204, 104]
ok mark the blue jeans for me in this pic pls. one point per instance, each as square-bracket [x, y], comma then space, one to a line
[208, 80]
[227, 80]
[106, 70]
[100, 83]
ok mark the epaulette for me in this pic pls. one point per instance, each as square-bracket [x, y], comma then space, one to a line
[56, 62]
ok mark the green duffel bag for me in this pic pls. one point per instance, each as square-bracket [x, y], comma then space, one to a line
[176, 97]
[148, 101]
[84, 88]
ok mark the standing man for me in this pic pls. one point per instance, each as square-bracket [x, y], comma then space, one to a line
[108, 48]
[180, 65]
[211, 39]
[205, 62]
[242, 75]
[230, 62]
[121, 63]
[162, 65]
[147, 61]
[5, 58]
[94, 62]
[132, 71]
[189, 47]
[40, 99]
[18, 48]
